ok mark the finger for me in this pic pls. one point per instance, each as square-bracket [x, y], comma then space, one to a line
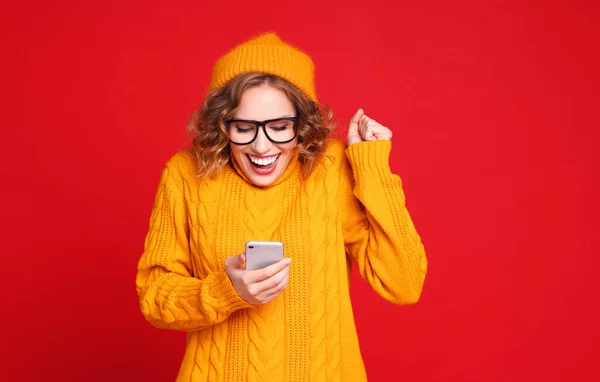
[235, 262]
[359, 113]
[371, 130]
[363, 127]
[271, 283]
[265, 273]
[370, 133]
[383, 134]
[354, 121]
[376, 131]
[274, 292]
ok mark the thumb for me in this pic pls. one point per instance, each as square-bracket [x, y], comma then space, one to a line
[235, 262]
[353, 128]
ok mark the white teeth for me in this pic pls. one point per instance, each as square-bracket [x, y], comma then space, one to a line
[263, 161]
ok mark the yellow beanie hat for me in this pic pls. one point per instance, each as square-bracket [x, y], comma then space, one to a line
[267, 54]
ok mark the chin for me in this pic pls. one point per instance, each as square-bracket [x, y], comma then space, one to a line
[264, 181]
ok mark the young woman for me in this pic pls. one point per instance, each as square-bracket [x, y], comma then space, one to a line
[263, 166]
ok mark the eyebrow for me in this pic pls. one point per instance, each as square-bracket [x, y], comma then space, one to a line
[283, 116]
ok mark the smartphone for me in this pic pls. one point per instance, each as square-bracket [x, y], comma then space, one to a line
[260, 254]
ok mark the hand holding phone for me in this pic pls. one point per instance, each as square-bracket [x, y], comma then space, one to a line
[261, 285]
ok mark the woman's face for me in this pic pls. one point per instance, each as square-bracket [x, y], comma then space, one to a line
[256, 159]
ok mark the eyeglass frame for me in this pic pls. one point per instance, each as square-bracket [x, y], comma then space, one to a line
[263, 124]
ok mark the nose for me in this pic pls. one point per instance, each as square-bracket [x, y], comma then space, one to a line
[261, 144]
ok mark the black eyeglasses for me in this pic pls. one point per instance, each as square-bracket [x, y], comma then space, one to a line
[244, 132]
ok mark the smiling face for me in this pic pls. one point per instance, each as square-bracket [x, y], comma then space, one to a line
[263, 161]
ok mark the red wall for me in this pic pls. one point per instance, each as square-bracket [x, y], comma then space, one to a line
[494, 108]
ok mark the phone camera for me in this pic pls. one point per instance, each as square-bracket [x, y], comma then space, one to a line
[250, 246]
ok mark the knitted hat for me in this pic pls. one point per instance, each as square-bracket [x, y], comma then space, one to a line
[267, 54]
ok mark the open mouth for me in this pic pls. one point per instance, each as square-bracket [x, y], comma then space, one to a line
[263, 165]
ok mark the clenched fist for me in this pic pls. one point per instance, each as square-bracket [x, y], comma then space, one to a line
[363, 128]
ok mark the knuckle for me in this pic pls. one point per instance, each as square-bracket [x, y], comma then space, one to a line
[268, 275]
[245, 279]
[273, 282]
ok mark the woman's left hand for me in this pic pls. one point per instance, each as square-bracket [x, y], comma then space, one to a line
[363, 128]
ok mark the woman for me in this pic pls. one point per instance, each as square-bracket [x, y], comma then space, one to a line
[264, 167]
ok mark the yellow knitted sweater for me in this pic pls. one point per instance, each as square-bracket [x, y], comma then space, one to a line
[351, 208]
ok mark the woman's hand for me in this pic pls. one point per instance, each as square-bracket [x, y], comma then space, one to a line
[363, 128]
[257, 286]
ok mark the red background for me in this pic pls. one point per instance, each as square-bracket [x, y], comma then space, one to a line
[494, 108]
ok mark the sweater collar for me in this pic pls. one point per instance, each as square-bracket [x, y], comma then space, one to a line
[291, 168]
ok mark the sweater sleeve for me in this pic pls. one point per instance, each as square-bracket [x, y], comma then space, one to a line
[170, 296]
[379, 234]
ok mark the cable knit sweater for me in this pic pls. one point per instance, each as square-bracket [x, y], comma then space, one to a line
[350, 209]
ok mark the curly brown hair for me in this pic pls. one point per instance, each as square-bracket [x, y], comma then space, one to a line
[211, 139]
